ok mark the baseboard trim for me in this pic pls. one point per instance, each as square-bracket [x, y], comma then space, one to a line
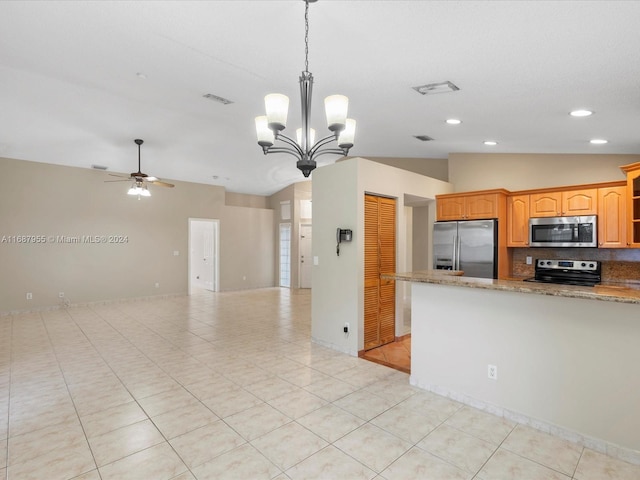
[602, 446]
[49, 308]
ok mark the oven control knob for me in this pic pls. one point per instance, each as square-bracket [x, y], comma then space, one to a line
[591, 265]
[548, 263]
[584, 264]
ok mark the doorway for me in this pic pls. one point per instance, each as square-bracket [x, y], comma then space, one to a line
[305, 255]
[203, 271]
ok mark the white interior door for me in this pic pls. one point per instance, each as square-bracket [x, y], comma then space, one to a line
[203, 254]
[306, 262]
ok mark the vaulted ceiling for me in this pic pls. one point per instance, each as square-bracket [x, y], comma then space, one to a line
[79, 81]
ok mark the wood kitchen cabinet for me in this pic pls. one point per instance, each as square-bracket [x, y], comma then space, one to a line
[518, 221]
[633, 204]
[612, 217]
[470, 206]
[564, 203]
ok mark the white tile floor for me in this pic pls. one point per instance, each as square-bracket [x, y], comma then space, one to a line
[228, 385]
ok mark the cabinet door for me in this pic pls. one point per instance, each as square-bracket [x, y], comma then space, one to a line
[380, 257]
[479, 207]
[545, 204]
[518, 221]
[633, 206]
[371, 273]
[387, 299]
[450, 208]
[612, 217]
[580, 202]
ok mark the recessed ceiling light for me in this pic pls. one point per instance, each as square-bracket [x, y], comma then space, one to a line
[599, 141]
[581, 113]
[141, 75]
[490, 142]
[454, 121]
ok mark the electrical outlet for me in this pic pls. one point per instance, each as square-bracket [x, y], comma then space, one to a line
[157, 285]
[529, 260]
[29, 296]
[492, 372]
[61, 295]
[346, 327]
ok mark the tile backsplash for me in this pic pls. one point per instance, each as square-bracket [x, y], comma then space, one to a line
[618, 264]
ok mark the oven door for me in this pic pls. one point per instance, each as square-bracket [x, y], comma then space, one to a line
[563, 232]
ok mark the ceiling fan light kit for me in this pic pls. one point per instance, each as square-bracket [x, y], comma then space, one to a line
[269, 127]
[140, 181]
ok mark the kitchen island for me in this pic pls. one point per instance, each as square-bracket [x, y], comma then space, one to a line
[566, 358]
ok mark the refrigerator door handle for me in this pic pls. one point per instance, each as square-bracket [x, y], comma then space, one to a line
[456, 252]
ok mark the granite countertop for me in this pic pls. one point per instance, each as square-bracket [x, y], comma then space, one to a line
[623, 292]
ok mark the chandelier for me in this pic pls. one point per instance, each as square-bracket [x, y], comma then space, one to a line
[269, 127]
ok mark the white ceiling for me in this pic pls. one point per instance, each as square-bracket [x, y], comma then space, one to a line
[70, 93]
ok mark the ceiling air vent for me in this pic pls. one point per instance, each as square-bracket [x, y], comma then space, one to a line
[99, 167]
[432, 88]
[216, 98]
[423, 138]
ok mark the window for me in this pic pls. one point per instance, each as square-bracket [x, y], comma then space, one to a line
[285, 255]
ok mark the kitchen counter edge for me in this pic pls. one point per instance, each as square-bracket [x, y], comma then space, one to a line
[622, 292]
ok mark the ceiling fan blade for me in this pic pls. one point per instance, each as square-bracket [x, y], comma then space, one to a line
[114, 175]
[123, 180]
[162, 184]
[149, 178]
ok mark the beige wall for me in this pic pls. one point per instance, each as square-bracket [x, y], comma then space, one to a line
[568, 365]
[480, 171]
[338, 281]
[50, 200]
[437, 168]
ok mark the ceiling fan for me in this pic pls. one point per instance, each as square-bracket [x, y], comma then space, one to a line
[140, 180]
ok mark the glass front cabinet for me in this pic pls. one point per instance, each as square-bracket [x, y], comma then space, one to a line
[633, 204]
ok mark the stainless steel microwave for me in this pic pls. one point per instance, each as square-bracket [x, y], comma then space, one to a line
[563, 231]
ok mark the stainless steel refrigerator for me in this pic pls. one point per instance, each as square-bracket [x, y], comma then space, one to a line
[470, 246]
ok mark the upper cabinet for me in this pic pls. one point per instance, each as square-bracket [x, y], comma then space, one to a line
[612, 221]
[633, 204]
[564, 203]
[470, 206]
[518, 221]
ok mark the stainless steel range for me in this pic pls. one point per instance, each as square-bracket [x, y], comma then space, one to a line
[567, 272]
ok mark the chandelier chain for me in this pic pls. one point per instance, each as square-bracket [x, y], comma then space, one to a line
[306, 36]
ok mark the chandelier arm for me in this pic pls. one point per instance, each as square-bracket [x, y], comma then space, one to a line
[290, 151]
[332, 151]
[322, 142]
[283, 138]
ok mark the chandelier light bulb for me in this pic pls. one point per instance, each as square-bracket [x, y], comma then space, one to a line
[277, 107]
[265, 134]
[312, 136]
[336, 107]
[347, 136]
